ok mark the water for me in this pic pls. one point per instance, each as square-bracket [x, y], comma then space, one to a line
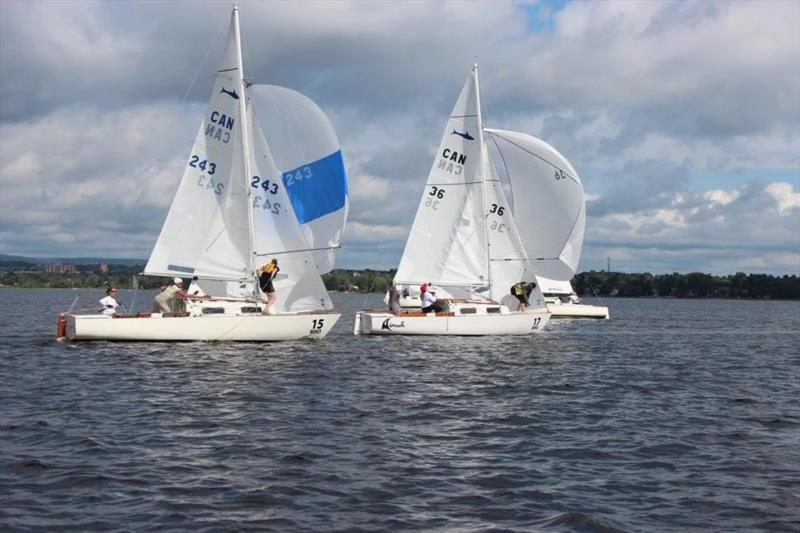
[674, 415]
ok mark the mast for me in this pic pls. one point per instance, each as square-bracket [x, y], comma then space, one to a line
[245, 138]
[482, 163]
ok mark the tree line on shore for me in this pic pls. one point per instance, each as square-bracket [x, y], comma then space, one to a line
[599, 283]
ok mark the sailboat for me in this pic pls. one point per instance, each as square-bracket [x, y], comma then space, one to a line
[464, 240]
[265, 179]
[563, 302]
[549, 208]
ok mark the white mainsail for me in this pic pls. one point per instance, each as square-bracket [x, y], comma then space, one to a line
[549, 206]
[206, 230]
[447, 243]
[308, 156]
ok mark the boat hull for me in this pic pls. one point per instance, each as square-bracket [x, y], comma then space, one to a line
[384, 323]
[156, 327]
[570, 310]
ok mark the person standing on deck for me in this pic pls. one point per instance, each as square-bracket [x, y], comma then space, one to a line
[268, 273]
[170, 300]
[394, 300]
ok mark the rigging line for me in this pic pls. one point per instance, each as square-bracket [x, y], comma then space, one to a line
[570, 176]
[246, 58]
[203, 64]
[594, 291]
[258, 254]
[505, 166]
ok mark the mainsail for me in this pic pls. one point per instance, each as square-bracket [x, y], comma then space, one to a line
[307, 154]
[447, 243]
[549, 206]
[206, 230]
[236, 206]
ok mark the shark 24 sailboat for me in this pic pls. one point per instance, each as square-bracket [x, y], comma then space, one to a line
[265, 179]
[464, 240]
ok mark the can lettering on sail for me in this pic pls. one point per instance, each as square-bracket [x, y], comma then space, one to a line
[452, 162]
[219, 123]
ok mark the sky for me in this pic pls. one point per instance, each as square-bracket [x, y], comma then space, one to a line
[681, 118]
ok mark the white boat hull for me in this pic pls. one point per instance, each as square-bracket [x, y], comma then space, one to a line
[570, 310]
[385, 323]
[156, 327]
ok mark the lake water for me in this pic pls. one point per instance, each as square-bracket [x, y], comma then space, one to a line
[673, 415]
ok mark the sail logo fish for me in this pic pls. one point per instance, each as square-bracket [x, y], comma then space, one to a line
[465, 135]
[232, 93]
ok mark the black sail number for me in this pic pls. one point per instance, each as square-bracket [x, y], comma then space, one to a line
[436, 192]
[499, 209]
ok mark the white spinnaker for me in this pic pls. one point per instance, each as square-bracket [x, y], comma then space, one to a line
[277, 233]
[307, 153]
[447, 242]
[206, 232]
[549, 206]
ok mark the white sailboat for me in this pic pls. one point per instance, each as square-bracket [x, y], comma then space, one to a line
[464, 240]
[265, 179]
[562, 301]
[550, 210]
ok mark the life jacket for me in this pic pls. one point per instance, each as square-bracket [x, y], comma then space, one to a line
[518, 289]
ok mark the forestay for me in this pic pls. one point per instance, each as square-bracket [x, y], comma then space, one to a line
[206, 232]
[549, 206]
[308, 157]
[447, 242]
[276, 232]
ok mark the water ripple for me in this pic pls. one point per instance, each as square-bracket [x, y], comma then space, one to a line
[675, 415]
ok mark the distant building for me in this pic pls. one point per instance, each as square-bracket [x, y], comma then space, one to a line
[103, 268]
[59, 268]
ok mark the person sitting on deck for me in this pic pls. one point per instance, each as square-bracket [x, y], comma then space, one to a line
[428, 301]
[109, 303]
[194, 289]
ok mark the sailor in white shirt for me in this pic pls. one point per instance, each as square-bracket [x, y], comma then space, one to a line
[109, 303]
[194, 289]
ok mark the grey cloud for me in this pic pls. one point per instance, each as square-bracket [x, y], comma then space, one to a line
[643, 101]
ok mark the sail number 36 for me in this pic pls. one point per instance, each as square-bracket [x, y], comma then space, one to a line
[431, 199]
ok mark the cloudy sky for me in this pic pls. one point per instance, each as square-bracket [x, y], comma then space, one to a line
[682, 118]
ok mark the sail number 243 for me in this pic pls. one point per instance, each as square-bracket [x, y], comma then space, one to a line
[205, 180]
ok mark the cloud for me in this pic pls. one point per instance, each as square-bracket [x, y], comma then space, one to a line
[680, 117]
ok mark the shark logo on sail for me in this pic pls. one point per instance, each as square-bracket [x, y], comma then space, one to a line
[232, 93]
[465, 135]
[219, 127]
[452, 162]
[388, 327]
